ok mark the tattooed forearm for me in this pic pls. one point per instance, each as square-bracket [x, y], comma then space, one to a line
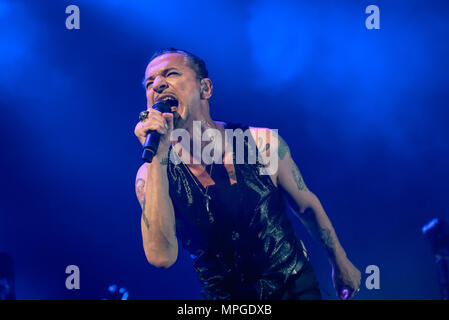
[298, 178]
[322, 231]
[326, 239]
[323, 234]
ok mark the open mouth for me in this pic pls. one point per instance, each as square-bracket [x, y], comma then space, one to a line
[173, 100]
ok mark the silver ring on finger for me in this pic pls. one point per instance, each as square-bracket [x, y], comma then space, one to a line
[143, 115]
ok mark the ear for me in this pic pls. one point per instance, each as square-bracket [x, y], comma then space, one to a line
[206, 88]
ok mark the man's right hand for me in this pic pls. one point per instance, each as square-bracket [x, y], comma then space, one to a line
[160, 122]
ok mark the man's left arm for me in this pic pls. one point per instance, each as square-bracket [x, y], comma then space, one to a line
[307, 207]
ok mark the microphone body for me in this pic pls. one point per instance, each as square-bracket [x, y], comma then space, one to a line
[153, 138]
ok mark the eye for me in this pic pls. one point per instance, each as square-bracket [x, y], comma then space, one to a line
[148, 85]
[170, 73]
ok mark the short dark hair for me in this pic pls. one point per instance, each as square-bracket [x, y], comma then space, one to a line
[197, 64]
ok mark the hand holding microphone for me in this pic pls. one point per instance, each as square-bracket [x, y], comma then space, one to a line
[155, 127]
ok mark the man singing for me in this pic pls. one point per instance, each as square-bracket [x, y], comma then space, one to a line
[229, 215]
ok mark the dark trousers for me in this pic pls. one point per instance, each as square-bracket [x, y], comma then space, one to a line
[302, 286]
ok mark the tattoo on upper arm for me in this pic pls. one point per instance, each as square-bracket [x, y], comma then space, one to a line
[263, 147]
[266, 148]
[298, 178]
[283, 148]
[140, 191]
[144, 217]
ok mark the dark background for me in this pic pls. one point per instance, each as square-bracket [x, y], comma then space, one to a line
[365, 113]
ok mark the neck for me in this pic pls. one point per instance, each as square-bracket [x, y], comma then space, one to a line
[205, 122]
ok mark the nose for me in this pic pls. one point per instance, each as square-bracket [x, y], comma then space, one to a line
[159, 85]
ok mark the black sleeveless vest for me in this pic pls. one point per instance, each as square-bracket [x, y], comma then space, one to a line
[245, 246]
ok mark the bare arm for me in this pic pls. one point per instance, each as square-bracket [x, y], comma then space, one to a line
[307, 207]
[158, 220]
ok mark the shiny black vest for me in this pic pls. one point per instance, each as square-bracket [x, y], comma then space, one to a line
[245, 247]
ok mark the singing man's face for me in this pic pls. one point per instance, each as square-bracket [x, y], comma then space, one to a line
[170, 74]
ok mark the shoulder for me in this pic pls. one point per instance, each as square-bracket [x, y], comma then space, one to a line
[267, 138]
[141, 173]
[262, 133]
[259, 130]
[140, 183]
[141, 178]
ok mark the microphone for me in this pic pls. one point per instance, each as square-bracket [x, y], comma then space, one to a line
[153, 138]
